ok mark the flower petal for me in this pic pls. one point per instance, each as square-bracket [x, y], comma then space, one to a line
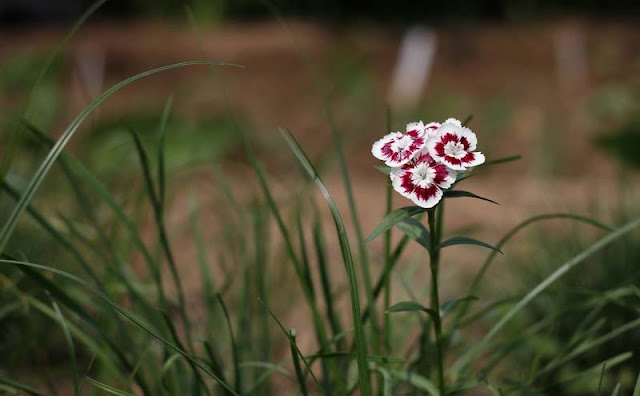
[472, 159]
[416, 126]
[396, 148]
[454, 121]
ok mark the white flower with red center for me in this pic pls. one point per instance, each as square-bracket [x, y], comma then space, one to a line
[454, 145]
[422, 180]
[397, 148]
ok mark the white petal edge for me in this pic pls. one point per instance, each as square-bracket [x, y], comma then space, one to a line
[376, 149]
[430, 203]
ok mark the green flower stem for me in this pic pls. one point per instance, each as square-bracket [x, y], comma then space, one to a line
[387, 275]
[434, 258]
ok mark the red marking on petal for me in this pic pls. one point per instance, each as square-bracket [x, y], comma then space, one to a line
[452, 160]
[449, 137]
[441, 173]
[426, 193]
[470, 157]
[413, 133]
[465, 143]
[386, 149]
[439, 149]
[407, 184]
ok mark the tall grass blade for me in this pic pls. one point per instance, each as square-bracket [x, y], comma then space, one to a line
[360, 341]
[66, 136]
[162, 140]
[477, 280]
[563, 269]
[125, 313]
[17, 385]
[296, 363]
[107, 388]
[237, 376]
[69, 341]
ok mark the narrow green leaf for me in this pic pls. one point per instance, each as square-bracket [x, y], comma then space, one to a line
[69, 341]
[131, 317]
[502, 160]
[460, 240]
[161, 171]
[616, 390]
[296, 362]
[467, 120]
[466, 359]
[636, 389]
[449, 305]
[407, 306]
[17, 385]
[417, 381]
[394, 218]
[416, 231]
[360, 341]
[234, 347]
[384, 169]
[460, 194]
[107, 388]
[66, 136]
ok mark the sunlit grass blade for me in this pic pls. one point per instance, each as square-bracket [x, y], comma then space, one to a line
[418, 381]
[107, 388]
[66, 136]
[466, 359]
[360, 341]
[125, 313]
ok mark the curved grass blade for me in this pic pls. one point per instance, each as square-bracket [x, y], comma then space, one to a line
[394, 218]
[636, 389]
[416, 380]
[66, 136]
[107, 388]
[460, 240]
[466, 359]
[152, 332]
[475, 284]
[17, 385]
[502, 160]
[460, 194]
[363, 370]
[72, 164]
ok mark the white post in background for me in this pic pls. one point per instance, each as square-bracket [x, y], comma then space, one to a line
[413, 67]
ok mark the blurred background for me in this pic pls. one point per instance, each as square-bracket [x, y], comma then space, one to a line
[557, 82]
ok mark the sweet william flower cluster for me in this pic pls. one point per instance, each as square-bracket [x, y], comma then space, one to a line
[426, 159]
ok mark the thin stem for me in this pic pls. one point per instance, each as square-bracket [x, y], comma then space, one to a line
[387, 275]
[434, 258]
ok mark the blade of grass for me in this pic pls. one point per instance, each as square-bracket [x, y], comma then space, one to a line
[162, 140]
[17, 385]
[125, 313]
[477, 280]
[107, 388]
[296, 362]
[360, 341]
[66, 136]
[69, 341]
[466, 359]
[237, 377]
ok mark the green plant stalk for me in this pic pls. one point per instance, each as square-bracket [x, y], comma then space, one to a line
[434, 258]
[387, 275]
